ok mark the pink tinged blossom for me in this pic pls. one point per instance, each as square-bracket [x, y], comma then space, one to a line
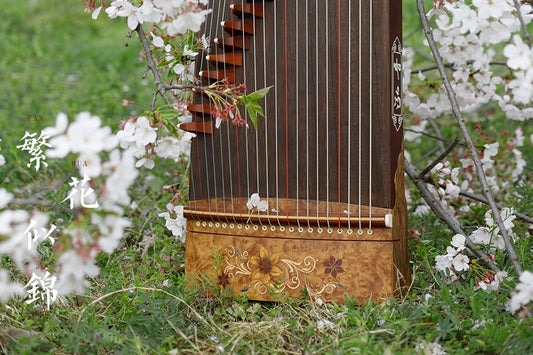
[60, 127]
[157, 41]
[144, 133]
[13, 223]
[84, 135]
[460, 262]
[492, 8]
[146, 162]
[186, 21]
[458, 241]
[112, 230]
[255, 202]
[129, 11]
[490, 151]
[481, 236]
[490, 281]
[8, 289]
[73, 270]
[176, 225]
[523, 293]
[443, 262]
[519, 54]
[189, 53]
[96, 12]
[520, 164]
[93, 166]
[149, 13]
[5, 197]
[185, 72]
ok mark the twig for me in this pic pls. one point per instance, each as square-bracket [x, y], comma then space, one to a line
[128, 36]
[437, 132]
[438, 159]
[451, 65]
[454, 224]
[39, 203]
[522, 23]
[430, 136]
[484, 200]
[419, 52]
[153, 68]
[468, 139]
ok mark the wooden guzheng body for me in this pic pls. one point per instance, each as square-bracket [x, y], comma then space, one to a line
[328, 157]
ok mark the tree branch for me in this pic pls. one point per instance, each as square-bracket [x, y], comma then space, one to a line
[451, 65]
[436, 207]
[153, 68]
[438, 159]
[484, 200]
[468, 139]
[522, 23]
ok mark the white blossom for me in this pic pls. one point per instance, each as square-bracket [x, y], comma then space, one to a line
[523, 293]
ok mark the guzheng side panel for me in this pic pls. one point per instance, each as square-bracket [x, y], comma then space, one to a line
[270, 266]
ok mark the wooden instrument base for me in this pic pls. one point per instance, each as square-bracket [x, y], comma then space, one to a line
[269, 262]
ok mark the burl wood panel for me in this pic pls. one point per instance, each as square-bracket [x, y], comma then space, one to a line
[274, 263]
[269, 269]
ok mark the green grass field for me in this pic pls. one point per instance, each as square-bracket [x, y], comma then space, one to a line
[55, 58]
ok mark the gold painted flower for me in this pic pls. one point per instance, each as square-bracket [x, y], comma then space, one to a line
[264, 267]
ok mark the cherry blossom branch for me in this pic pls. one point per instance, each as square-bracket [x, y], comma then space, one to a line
[39, 203]
[437, 132]
[153, 68]
[478, 198]
[484, 200]
[436, 207]
[204, 89]
[441, 139]
[438, 159]
[452, 65]
[468, 139]
[522, 22]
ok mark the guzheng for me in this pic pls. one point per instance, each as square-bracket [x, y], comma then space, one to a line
[326, 161]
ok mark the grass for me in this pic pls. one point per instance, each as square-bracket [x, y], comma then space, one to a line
[55, 58]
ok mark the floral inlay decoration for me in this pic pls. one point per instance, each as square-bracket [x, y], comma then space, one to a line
[265, 267]
[333, 266]
[265, 271]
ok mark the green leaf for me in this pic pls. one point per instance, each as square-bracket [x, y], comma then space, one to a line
[259, 94]
[251, 102]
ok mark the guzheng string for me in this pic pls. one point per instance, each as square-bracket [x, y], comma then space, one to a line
[360, 150]
[349, 112]
[307, 172]
[370, 137]
[296, 59]
[275, 109]
[236, 128]
[212, 22]
[339, 133]
[245, 113]
[219, 131]
[326, 45]
[286, 76]
[266, 121]
[258, 184]
[317, 45]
